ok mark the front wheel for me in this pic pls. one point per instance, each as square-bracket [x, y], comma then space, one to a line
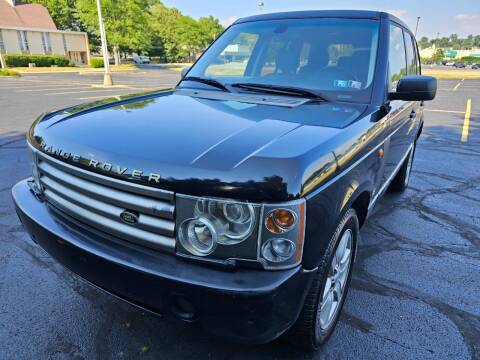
[400, 181]
[328, 291]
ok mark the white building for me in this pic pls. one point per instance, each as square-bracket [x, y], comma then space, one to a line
[29, 29]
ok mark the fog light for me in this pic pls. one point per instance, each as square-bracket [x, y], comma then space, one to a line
[278, 250]
[280, 221]
[199, 236]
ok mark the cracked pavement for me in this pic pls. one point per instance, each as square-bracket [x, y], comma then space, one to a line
[415, 289]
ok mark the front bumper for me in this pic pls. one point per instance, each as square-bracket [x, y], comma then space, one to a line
[245, 305]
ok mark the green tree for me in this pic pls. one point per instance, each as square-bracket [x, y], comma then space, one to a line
[210, 28]
[424, 43]
[467, 43]
[178, 37]
[438, 56]
[164, 23]
[126, 23]
[476, 41]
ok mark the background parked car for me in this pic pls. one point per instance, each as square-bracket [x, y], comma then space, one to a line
[475, 66]
[140, 59]
[459, 64]
[450, 63]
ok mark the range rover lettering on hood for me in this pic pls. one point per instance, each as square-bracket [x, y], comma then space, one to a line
[98, 165]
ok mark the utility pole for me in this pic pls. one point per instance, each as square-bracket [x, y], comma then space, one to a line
[416, 27]
[107, 77]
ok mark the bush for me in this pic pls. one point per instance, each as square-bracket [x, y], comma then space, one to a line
[38, 60]
[9, 73]
[96, 62]
[473, 59]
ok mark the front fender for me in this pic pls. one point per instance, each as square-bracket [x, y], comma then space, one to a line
[326, 207]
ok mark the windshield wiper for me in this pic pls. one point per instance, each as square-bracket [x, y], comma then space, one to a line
[210, 82]
[278, 89]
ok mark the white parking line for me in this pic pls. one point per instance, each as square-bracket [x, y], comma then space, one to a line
[458, 85]
[99, 97]
[26, 86]
[93, 90]
[54, 89]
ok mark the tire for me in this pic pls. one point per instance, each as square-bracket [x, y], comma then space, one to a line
[309, 332]
[400, 182]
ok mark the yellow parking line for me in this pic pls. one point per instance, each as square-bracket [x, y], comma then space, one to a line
[466, 122]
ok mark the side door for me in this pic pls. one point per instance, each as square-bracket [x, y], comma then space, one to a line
[399, 119]
[412, 69]
[418, 105]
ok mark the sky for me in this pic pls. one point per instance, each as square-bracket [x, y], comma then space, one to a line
[461, 17]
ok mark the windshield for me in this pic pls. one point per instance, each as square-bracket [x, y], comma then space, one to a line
[332, 57]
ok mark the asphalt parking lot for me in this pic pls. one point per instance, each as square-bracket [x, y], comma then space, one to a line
[416, 286]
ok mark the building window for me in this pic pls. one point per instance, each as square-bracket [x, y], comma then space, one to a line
[23, 41]
[2, 44]
[64, 39]
[47, 44]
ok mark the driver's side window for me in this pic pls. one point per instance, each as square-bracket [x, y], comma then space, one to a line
[396, 56]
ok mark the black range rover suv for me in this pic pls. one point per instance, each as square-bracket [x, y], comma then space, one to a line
[235, 199]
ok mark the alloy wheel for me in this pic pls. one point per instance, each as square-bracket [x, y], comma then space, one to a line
[335, 284]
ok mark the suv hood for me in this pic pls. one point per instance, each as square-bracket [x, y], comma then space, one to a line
[198, 145]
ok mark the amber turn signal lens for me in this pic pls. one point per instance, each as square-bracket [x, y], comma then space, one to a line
[280, 221]
[284, 218]
[271, 226]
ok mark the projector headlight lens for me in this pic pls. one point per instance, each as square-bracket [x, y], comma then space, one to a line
[236, 220]
[199, 236]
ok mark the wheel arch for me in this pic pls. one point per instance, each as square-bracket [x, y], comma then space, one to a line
[360, 205]
[359, 200]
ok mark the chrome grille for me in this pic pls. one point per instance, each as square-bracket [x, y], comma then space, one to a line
[99, 200]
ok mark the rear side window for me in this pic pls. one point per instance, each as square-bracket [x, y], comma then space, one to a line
[396, 56]
[411, 59]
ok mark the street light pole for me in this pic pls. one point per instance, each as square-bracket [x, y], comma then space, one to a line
[261, 4]
[416, 27]
[2, 62]
[107, 77]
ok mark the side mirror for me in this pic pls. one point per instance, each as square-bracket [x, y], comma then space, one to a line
[185, 70]
[415, 88]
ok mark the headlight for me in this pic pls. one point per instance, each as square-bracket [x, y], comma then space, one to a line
[199, 236]
[269, 235]
[216, 229]
[278, 250]
[235, 220]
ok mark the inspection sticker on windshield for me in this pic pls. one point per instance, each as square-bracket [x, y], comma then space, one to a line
[347, 84]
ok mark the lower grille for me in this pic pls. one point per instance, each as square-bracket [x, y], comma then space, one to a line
[98, 201]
